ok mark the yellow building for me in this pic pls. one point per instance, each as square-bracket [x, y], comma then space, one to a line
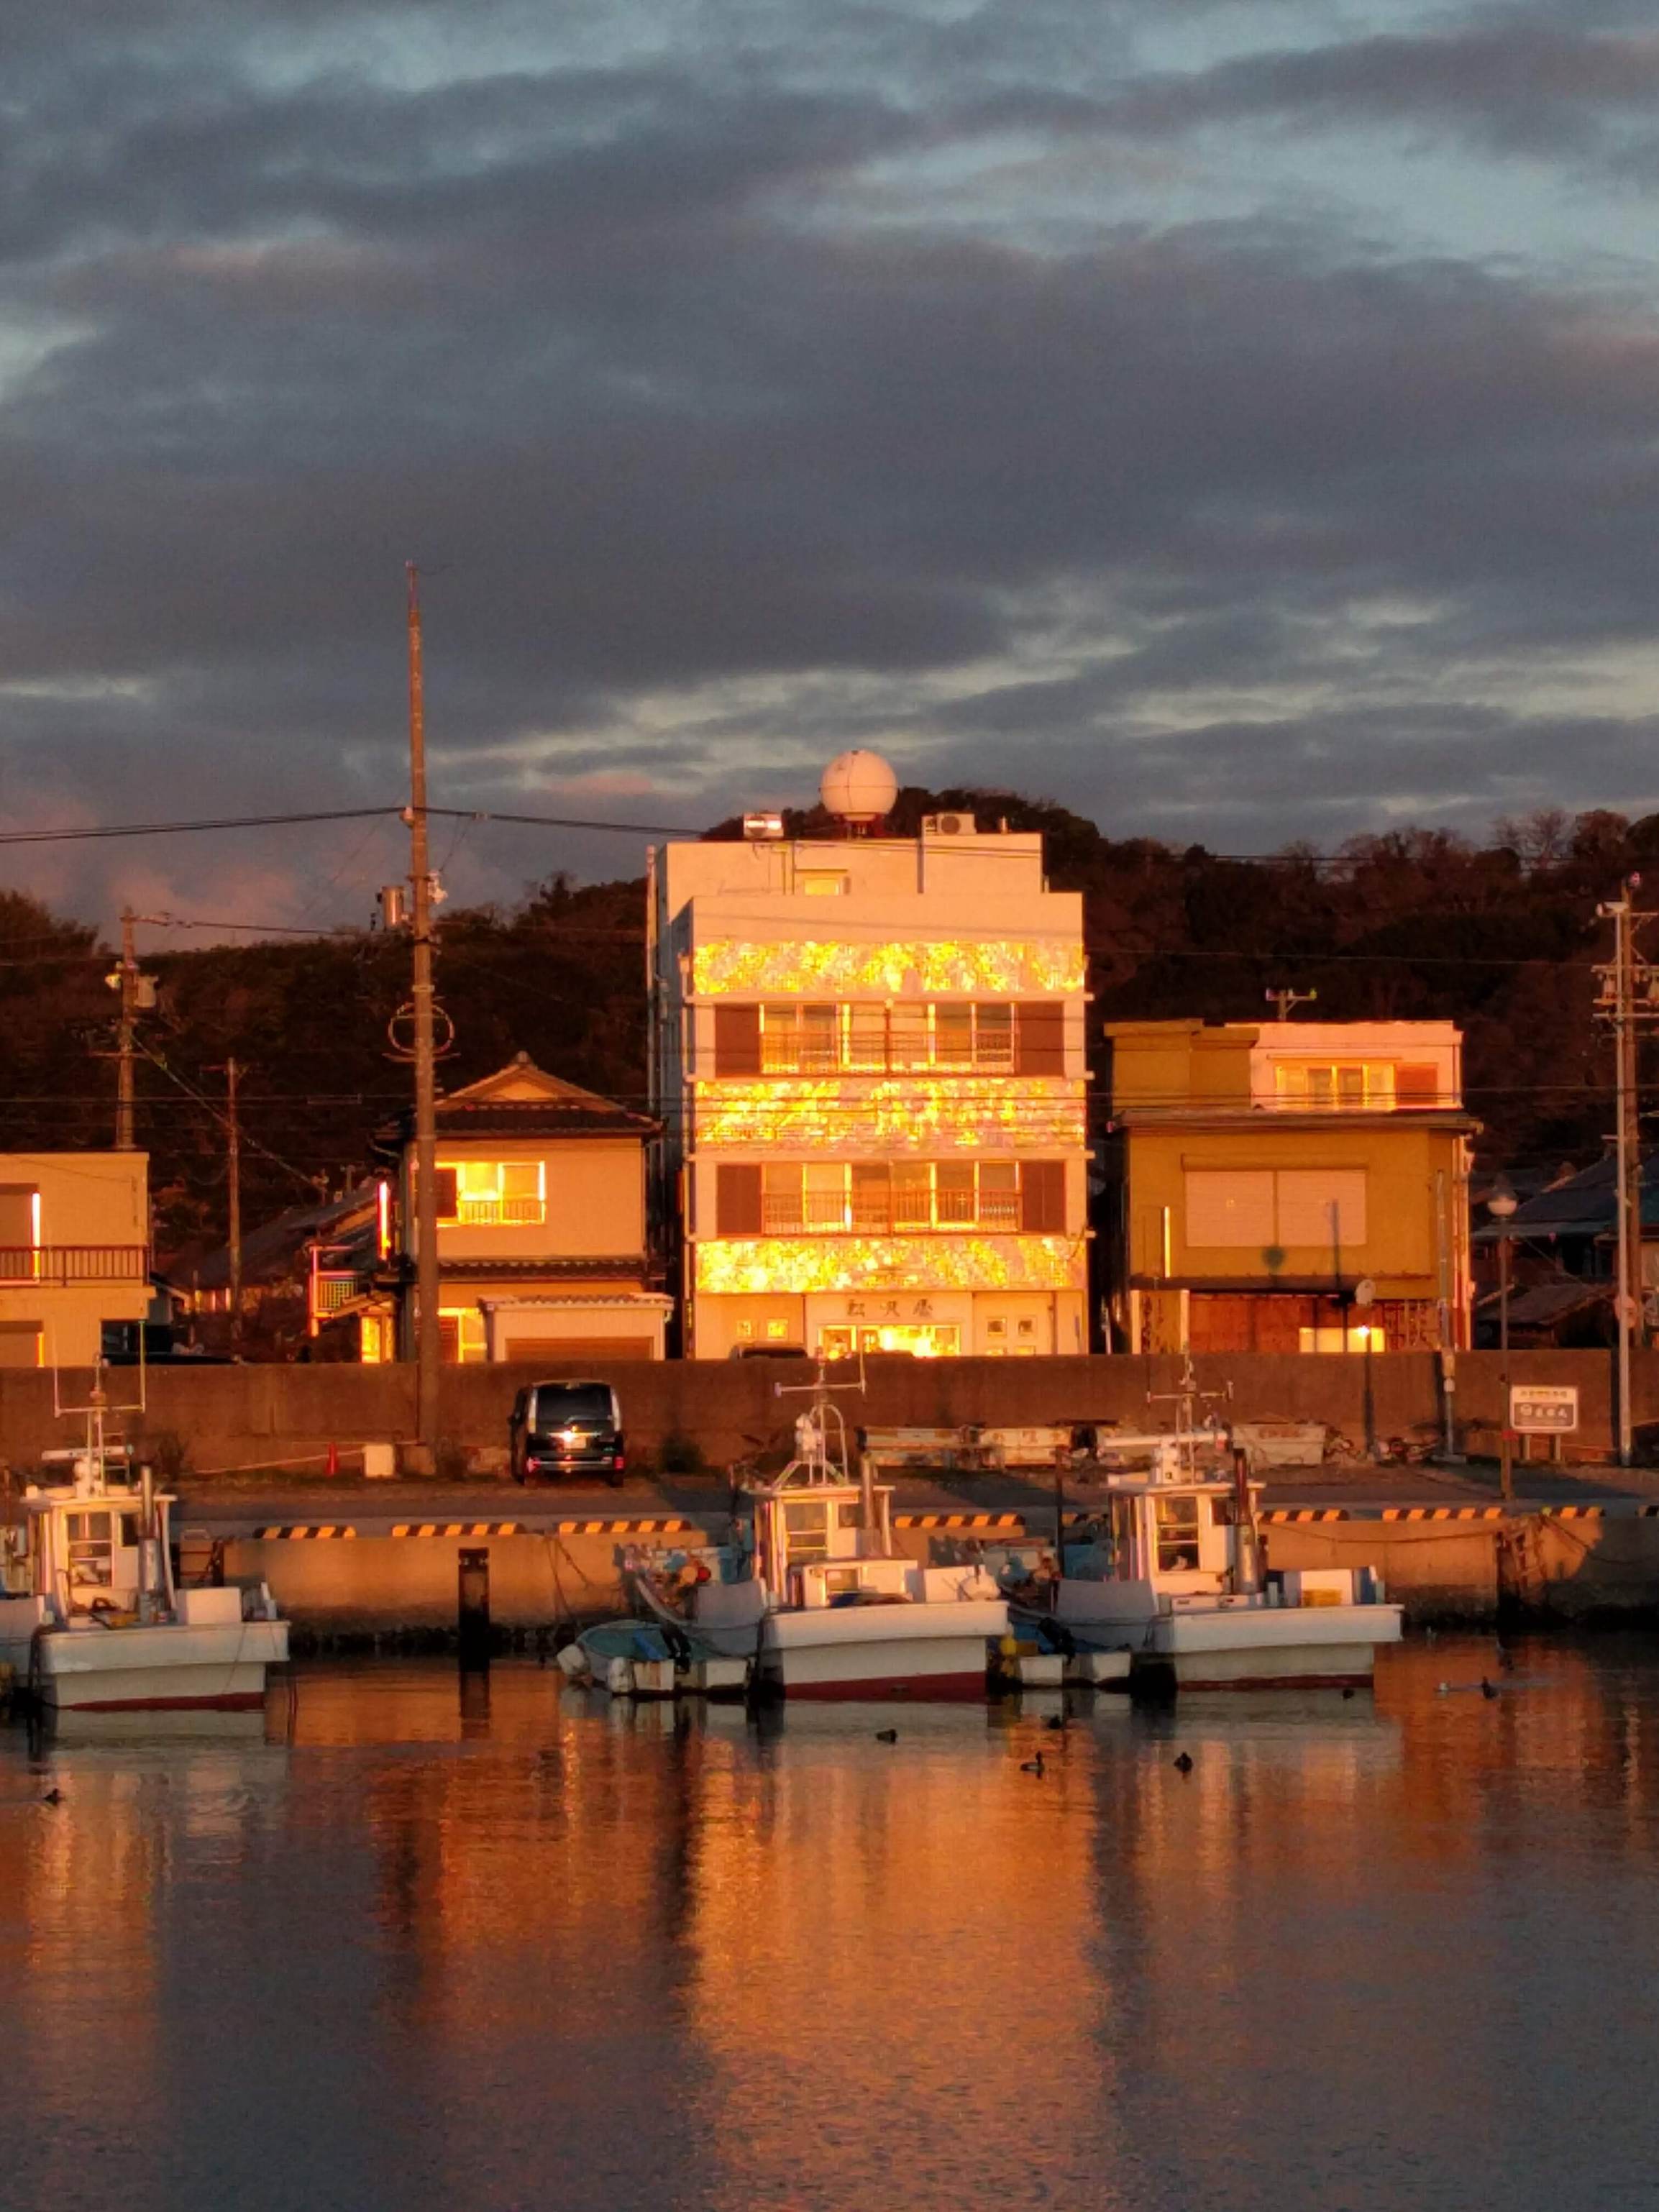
[868, 1055]
[74, 1252]
[1289, 1186]
[542, 1252]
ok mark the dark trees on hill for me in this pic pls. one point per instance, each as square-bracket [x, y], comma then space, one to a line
[1500, 937]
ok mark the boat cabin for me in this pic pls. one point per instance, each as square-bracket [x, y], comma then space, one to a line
[98, 1546]
[816, 1545]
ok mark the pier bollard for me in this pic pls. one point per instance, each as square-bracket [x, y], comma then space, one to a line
[473, 1606]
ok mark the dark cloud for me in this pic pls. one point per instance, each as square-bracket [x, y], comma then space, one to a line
[726, 438]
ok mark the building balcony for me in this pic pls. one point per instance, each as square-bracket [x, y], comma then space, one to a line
[58, 1265]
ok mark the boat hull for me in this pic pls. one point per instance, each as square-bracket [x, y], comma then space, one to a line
[882, 1651]
[168, 1667]
[1289, 1647]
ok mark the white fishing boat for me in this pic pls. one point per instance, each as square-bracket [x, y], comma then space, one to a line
[90, 1618]
[1175, 1581]
[814, 1596]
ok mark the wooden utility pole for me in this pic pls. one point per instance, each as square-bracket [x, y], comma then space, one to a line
[427, 1338]
[126, 982]
[233, 1186]
[1626, 1003]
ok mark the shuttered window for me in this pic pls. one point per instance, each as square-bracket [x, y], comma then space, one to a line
[1258, 1209]
[1417, 1085]
[1042, 1196]
[1040, 1031]
[1322, 1207]
[1232, 1207]
[737, 1199]
[737, 1041]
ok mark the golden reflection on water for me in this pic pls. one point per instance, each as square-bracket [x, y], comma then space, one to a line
[504, 1943]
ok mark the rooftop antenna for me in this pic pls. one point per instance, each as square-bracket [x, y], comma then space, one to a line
[1288, 1001]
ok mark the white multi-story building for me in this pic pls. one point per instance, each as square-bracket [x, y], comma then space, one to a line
[868, 1056]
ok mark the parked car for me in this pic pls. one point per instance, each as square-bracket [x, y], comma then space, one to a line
[768, 1350]
[567, 1428]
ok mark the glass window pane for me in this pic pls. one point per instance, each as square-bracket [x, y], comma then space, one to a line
[1321, 1086]
[953, 1183]
[521, 1179]
[953, 1035]
[912, 1195]
[779, 1039]
[994, 1037]
[1351, 1086]
[907, 1027]
[872, 1198]
[819, 1041]
[867, 1037]
[824, 1203]
[781, 1197]
[999, 1194]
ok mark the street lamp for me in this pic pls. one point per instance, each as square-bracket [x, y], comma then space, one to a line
[1501, 1203]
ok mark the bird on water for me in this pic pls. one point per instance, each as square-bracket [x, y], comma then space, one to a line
[1184, 1763]
[886, 1735]
[1033, 1765]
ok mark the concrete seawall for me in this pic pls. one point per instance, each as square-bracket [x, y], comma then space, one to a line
[358, 1582]
[229, 1418]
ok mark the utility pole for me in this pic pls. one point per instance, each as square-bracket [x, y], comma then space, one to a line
[234, 1184]
[428, 1339]
[1286, 1002]
[138, 994]
[1627, 1004]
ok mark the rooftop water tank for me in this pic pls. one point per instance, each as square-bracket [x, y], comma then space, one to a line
[858, 787]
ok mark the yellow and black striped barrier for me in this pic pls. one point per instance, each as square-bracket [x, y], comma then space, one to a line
[310, 1531]
[297, 1532]
[958, 1521]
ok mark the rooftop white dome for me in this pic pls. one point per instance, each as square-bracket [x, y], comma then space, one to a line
[858, 787]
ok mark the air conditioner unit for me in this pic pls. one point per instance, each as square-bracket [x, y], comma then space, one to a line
[762, 827]
[948, 826]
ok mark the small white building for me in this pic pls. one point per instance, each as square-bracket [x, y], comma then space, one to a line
[868, 1052]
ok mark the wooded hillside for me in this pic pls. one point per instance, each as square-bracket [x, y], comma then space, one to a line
[1500, 937]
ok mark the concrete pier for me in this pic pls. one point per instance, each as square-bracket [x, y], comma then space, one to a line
[368, 1561]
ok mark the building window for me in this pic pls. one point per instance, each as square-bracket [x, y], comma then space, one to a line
[1262, 1209]
[819, 883]
[992, 1037]
[877, 1196]
[1339, 1087]
[461, 1335]
[491, 1193]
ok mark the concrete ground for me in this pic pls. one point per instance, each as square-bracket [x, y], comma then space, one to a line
[1360, 1490]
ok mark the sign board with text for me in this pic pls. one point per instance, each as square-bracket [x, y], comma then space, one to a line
[1543, 1409]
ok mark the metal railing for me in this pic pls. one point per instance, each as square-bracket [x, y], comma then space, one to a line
[497, 1212]
[61, 1264]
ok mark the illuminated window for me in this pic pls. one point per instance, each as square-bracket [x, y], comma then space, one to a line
[796, 1040]
[461, 1334]
[819, 883]
[777, 1331]
[781, 1198]
[1341, 1087]
[999, 1194]
[491, 1192]
[1358, 1337]
[1177, 1535]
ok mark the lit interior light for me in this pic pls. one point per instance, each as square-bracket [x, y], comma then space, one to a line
[901, 1113]
[728, 1267]
[1005, 966]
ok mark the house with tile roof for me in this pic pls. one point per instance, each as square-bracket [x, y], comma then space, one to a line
[543, 1244]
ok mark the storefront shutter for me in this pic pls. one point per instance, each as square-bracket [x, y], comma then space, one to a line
[1231, 1209]
[737, 1041]
[737, 1199]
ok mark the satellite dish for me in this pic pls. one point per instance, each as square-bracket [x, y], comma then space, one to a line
[859, 788]
[1365, 1292]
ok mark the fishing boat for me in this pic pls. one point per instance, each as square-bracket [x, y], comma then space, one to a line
[1174, 1577]
[813, 1595]
[90, 1617]
[652, 1659]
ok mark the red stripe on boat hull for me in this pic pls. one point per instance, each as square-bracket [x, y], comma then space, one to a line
[917, 1687]
[235, 1701]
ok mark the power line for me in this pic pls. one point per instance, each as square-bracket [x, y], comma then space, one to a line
[179, 829]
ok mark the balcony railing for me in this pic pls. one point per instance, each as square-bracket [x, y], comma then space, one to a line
[880, 1217]
[61, 1264]
[496, 1212]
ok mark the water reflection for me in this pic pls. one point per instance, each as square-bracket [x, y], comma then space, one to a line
[428, 1939]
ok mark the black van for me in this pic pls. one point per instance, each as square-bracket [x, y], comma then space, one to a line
[567, 1428]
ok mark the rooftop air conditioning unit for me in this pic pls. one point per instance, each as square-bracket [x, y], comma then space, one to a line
[949, 825]
[760, 826]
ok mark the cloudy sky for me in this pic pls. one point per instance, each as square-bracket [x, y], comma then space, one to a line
[1236, 421]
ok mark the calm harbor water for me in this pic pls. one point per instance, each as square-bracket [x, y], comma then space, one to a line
[418, 1941]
